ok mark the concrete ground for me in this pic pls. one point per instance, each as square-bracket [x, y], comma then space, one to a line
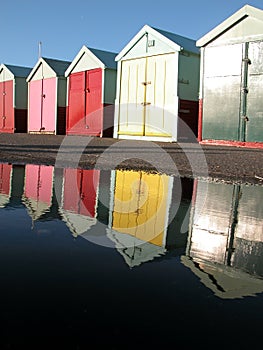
[219, 163]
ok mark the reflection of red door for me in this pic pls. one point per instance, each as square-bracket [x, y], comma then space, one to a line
[85, 103]
[80, 191]
[7, 120]
[5, 174]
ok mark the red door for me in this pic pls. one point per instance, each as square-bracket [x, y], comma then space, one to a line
[80, 191]
[93, 102]
[85, 103]
[7, 118]
[76, 108]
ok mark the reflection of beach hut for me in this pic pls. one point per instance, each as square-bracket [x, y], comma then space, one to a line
[38, 189]
[158, 77]
[13, 98]
[139, 214]
[225, 239]
[5, 183]
[91, 93]
[231, 96]
[47, 90]
[79, 199]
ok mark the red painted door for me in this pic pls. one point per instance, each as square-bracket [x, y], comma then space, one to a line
[7, 118]
[80, 191]
[93, 98]
[85, 103]
[76, 105]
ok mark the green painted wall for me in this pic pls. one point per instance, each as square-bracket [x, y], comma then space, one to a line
[21, 88]
[188, 79]
[110, 76]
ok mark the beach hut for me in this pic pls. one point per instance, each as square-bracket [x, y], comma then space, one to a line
[231, 78]
[13, 98]
[47, 89]
[157, 86]
[91, 93]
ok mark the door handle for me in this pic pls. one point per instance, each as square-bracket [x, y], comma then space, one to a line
[145, 103]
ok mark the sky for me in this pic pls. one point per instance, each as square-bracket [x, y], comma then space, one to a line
[63, 26]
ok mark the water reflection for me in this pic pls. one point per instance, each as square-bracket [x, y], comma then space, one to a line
[79, 199]
[225, 243]
[5, 183]
[216, 229]
[38, 190]
[144, 209]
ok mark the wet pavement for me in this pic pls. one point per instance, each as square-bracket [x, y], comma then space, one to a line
[218, 163]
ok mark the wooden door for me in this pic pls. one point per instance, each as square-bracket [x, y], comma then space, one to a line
[93, 102]
[132, 97]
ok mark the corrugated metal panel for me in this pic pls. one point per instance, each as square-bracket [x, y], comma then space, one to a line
[254, 125]
[221, 92]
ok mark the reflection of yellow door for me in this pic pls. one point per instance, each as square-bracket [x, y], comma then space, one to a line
[140, 205]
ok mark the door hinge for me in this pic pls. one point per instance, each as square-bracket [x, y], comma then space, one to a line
[247, 60]
[245, 117]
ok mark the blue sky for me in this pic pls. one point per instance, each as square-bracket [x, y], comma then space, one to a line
[64, 27]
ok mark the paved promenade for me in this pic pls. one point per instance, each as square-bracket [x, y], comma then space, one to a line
[223, 163]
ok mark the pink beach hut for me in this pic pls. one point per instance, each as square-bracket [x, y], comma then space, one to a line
[47, 97]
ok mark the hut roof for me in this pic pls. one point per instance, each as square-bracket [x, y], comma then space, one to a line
[105, 59]
[244, 12]
[17, 71]
[175, 41]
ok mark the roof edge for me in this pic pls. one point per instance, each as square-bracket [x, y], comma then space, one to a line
[146, 28]
[84, 49]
